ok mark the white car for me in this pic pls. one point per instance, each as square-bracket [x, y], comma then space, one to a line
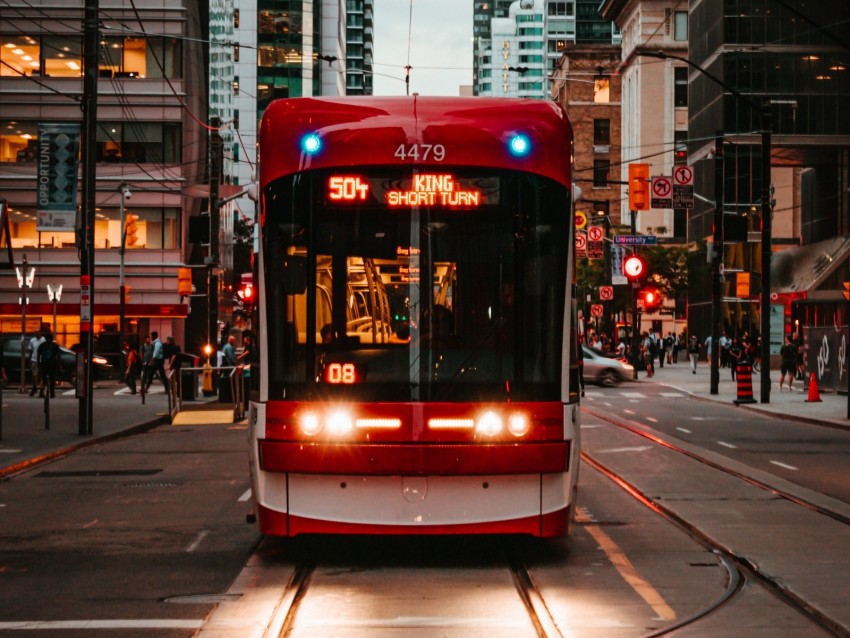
[604, 369]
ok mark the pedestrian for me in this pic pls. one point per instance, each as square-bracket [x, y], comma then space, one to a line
[669, 344]
[35, 375]
[171, 354]
[147, 357]
[134, 366]
[735, 356]
[708, 348]
[725, 344]
[48, 364]
[788, 362]
[800, 363]
[157, 365]
[647, 351]
[229, 352]
[693, 353]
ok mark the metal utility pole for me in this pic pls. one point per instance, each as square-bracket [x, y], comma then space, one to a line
[766, 249]
[216, 150]
[716, 266]
[91, 46]
[122, 291]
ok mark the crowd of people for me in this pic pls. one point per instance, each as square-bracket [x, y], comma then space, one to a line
[657, 347]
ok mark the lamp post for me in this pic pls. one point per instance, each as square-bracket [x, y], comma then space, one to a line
[766, 232]
[54, 294]
[125, 194]
[26, 276]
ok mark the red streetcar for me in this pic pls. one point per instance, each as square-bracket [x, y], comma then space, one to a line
[416, 362]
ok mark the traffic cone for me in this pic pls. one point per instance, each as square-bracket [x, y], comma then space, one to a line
[814, 395]
[744, 373]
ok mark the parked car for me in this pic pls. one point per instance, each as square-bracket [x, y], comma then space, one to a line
[603, 369]
[67, 368]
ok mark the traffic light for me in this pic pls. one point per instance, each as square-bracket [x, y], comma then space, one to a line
[639, 184]
[634, 268]
[246, 294]
[651, 299]
[184, 282]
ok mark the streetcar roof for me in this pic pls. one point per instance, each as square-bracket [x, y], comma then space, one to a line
[369, 131]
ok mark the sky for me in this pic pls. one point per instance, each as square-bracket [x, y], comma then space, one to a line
[440, 52]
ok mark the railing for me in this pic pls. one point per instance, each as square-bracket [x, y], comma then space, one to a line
[235, 376]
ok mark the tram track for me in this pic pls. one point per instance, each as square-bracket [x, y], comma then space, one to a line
[286, 613]
[744, 566]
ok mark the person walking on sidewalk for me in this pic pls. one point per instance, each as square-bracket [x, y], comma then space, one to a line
[735, 356]
[788, 365]
[35, 374]
[693, 353]
[48, 364]
[157, 366]
[134, 365]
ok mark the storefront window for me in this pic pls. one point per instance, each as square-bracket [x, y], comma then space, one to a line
[138, 142]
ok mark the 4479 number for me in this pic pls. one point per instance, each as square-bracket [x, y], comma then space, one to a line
[424, 152]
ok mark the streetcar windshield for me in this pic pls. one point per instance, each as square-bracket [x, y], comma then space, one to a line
[393, 285]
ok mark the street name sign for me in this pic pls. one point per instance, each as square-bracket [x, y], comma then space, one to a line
[635, 240]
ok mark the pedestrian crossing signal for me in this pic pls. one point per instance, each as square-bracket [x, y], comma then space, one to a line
[847, 290]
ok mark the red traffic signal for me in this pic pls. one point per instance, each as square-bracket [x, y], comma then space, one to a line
[651, 299]
[634, 268]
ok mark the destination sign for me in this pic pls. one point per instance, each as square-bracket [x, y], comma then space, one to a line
[427, 189]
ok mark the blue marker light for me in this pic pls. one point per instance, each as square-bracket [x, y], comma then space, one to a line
[311, 143]
[519, 145]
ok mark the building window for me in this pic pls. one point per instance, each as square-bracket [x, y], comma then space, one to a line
[600, 173]
[601, 89]
[601, 132]
[599, 210]
[138, 142]
[680, 88]
[135, 57]
[680, 26]
[18, 141]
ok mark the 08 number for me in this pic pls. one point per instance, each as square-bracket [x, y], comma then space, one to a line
[342, 373]
[424, 152]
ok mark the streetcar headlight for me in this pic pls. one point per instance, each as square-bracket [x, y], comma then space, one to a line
[489, 424]
[310, 424]
[339, 423]
[518, 425]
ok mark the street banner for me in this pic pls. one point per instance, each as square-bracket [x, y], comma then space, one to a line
[618, 254]
[56, 190]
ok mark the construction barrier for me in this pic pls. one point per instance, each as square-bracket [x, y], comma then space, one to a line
[744, 372]
[814, 393]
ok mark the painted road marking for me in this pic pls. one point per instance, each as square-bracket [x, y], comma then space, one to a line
[685, 430]
[195, 544]
[649, 418]
[629, 411]
[729, 445]
[247, 495]
[624, 566]
[633, 395]
[785, 465]
[671, 395]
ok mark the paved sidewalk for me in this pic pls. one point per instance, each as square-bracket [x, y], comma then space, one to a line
[26, 440]
[831, 409]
